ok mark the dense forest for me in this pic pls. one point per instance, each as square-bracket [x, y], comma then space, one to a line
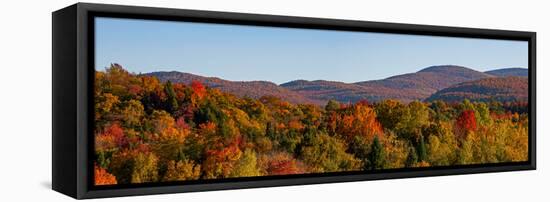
[152, 131]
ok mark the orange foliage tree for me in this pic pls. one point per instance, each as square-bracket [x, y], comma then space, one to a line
[102, 177]
[358, 119]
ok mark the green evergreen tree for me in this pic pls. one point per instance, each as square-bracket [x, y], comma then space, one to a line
[412, 157]
[270, 130]
[377, 155]
[422, 154]
[171, 99]
[359, 146]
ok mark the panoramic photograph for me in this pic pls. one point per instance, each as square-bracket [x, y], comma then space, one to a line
[184, 101]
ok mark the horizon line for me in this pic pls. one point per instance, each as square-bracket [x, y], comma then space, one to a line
[278, 84]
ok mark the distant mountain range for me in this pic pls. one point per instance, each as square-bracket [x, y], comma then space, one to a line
[504, 89]
[509, 72]
[446, 82]
[405, 87]
[253, 89]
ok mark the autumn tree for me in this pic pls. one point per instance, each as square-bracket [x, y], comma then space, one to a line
[146, 168]
[390, 113]
[254, 109]
[106, 109]
[442, 149]
[396, 151]
[332, 105]
[282, 164]
[358, 119]
[414, 119]
[165, 130]
[221, 159]
[102, 177]
[247, 165]
[466, 152]
[182, 170]
[483, 114]
[198, 89]
[134, 166]
[326, 154]
[133, 114]
[466, 122]
[442, 112]
[113, 136]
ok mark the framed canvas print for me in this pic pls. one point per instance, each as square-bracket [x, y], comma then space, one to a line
[154, 100]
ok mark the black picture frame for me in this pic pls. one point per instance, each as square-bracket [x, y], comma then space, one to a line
[72, 98]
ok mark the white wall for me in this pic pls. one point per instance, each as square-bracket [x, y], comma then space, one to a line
[25, 103]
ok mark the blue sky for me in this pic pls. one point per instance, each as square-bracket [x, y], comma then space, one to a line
[245, 53]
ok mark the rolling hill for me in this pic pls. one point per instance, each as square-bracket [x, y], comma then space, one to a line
[502, 89]
[253, 89]
[426, 83]
[406, 87]
[509, 72]
[331, 90]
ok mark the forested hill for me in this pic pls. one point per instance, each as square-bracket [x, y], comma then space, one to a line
[252, 89]
[406, 87]
[509, 72]
[503, 89]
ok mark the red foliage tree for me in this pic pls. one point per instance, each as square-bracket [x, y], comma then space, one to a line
[283, 164]
[466, 122]
[117, 133]
[221, 158]
[198, 88]
[135, 90]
